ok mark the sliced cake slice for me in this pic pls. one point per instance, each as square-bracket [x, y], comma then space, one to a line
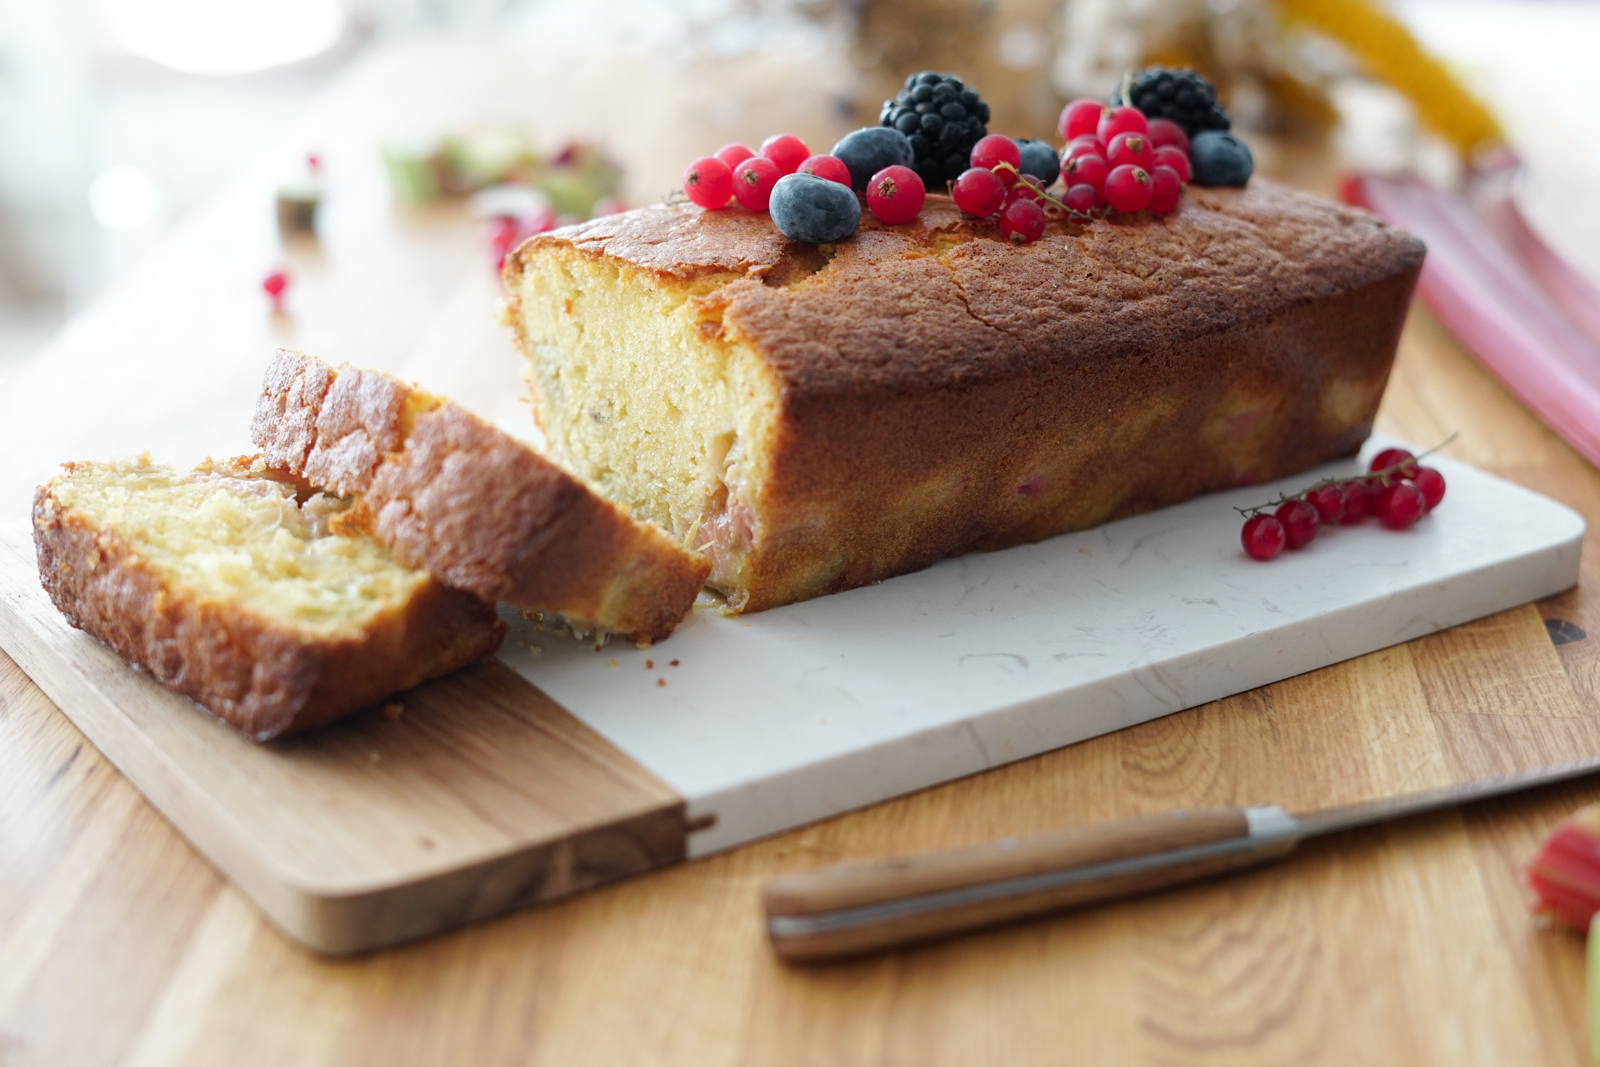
[226, 588]
[480, 510]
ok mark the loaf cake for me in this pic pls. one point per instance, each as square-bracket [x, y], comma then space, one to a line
[817, 417]
[225, 587]
[478, 509]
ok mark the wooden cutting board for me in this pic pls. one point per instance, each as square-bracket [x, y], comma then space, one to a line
[488, 795]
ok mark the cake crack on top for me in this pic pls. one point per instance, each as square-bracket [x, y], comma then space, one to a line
[933, 389]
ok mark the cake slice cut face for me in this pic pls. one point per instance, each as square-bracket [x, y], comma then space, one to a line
[221, 584]
[815, 418]
[478, 509]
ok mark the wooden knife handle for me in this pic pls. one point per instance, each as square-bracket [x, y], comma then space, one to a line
[856, 908]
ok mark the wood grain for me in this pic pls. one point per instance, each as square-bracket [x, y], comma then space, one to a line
[484, 796]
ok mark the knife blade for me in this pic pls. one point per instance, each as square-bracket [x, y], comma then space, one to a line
[854, 908]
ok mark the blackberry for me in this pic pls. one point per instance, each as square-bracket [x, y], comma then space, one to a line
[943, 119]
[1183, 96]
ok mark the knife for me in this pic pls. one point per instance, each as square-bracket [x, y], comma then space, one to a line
[855, 908]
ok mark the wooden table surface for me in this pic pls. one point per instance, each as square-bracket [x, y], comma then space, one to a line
[1404, 944]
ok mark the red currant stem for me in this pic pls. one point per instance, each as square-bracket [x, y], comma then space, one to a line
[675, 196]
[1125, 90]
[1378, 476]
[1072, 214]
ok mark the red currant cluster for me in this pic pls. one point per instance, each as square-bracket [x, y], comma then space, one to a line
[894, 194]
[995, 185]
[1121, 160]
[1396, 489]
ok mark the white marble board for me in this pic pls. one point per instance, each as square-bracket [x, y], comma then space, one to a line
[780, 718]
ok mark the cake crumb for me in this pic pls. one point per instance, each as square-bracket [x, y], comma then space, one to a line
[392, 712]
[611, 663]
[649, 664]
[674, 663]
[534, 650]
[661, 681]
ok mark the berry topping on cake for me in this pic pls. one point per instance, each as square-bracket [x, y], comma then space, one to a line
[1165, 188]
[708, 182]
[1219, 158]
[1128, 188]
[1181, 95]
[734, 154]
[1115, 120]
[1133, 149]
[997, 151]
[1088, 169]
[1084, 200]
[942, 118]
[868, 150]
[979, 191]
[1079, 117]
[895, 194]
[1039, 160]
[1022, 221]
[786, 150]
[753, 181]
[829, 167]
[805, 207]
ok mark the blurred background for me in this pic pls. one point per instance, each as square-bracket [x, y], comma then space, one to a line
[119, 118]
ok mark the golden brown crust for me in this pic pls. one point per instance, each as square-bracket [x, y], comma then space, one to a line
[476, 508]
[940, 390]
[263, 678]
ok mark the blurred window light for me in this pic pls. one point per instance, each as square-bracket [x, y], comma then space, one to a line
[225, 36]
[122, 198]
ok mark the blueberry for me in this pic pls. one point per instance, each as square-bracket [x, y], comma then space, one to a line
[870, 149]
[805, 207]
[1217, 157]
[1039, 160]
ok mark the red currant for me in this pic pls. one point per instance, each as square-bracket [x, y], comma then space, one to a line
[1133, 149]
[895, 194]
[1167, 132]
[1027, 188]
[1079, 117]
[1127, 188]
[273, 285]
[708, 182]
[1430, 483]
[1169, 156]
[829, 167]
[1086, 170]
[995, 149]
[1300, 522]
[1021, 222]
[1357, 502]
[1391, 457]
[753, 181]
[1124, 119]
[979, 191]
[786, 150]
[1087, 145]
[1329, 502]
[1084, 199]
[1263, 536]
[1400, 505]
[1164, 189]
[733, 154]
